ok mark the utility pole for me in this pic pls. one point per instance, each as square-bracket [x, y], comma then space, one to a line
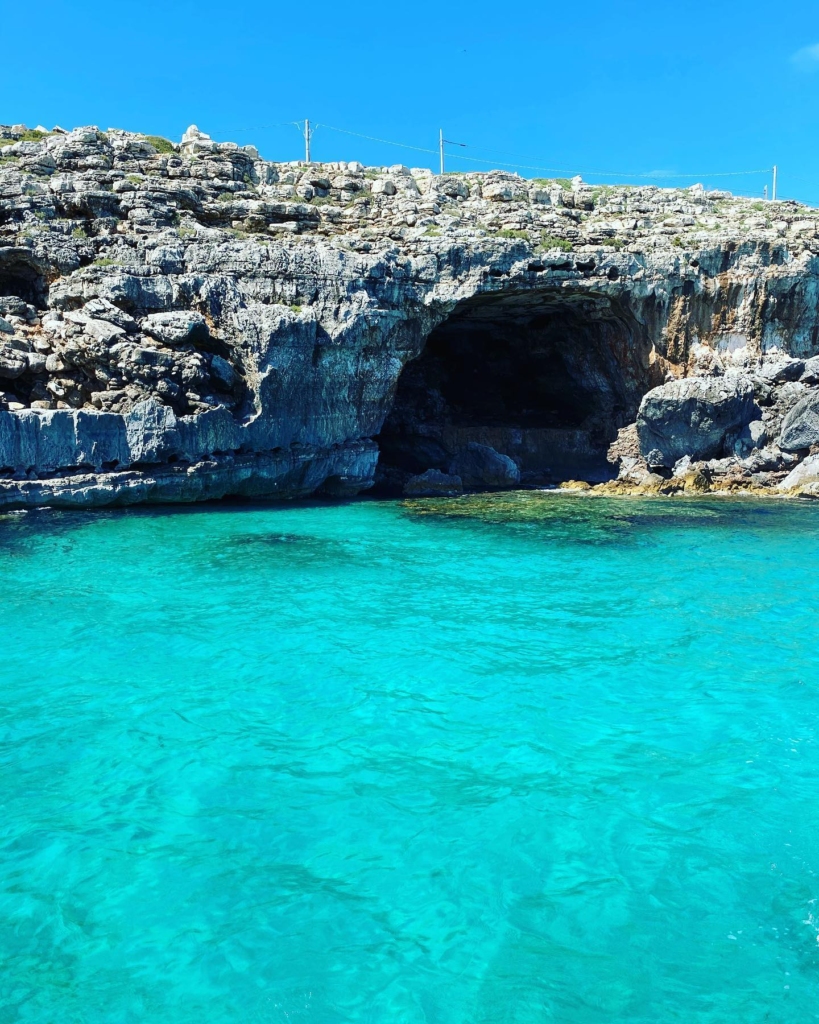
[449, 142]
[307, 140]
[765, 193]
[774, 184]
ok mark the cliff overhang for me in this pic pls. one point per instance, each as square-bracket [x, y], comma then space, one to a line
[190, 321]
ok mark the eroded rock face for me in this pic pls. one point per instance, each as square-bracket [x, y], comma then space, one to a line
[800, 427]
[180, 322]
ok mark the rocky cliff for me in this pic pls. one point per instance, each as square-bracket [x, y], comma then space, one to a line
[188, 321]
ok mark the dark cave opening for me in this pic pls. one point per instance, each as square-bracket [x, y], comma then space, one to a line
[21, 278]
[545, 378]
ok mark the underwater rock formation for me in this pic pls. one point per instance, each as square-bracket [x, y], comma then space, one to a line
[187, 321]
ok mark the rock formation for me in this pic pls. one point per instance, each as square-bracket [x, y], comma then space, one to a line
[181, 322]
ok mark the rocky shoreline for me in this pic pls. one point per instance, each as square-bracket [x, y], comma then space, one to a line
[180, 322]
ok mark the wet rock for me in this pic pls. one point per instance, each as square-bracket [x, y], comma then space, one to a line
[478, 465]
[433, 484]
[692, 416]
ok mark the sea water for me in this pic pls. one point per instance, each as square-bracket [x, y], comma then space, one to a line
[488, 760]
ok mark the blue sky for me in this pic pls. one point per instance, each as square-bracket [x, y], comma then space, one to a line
[609, 90]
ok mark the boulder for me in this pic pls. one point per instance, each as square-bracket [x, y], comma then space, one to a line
[800, 427]
[177, 327]
[784, 369]
[810, 375]
[433, 484]
[478, 465]
[753, 435]
[222, 372]
[102, 309]
[806, 472]
[693, 416]
[12, 363]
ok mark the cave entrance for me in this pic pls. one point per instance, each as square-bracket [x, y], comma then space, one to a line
[21, 278]
[546, 379]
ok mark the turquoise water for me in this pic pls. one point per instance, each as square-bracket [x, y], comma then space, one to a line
[531, 759]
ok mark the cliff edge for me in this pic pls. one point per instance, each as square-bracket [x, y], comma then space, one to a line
[188, 321]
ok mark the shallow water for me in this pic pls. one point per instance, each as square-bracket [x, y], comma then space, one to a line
[485, 760]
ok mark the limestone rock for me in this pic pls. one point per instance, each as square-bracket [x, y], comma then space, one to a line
[177, 328]
[12, 363]
[805, 473]
[433, 484]
[478, 465]
[181, 321]
[692, 416]
[223, 372]
[800, 428]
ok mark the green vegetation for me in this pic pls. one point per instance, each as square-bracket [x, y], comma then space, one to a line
[79, 233]
[615, 243]
[135, 179]
[759, 207]
[432, 232]
[678, 241]
[510, 233]
[554, 242]
[295, 307]
[103, 261]
[564, 183]
[186, 232]
[224, 197]
[160, 144]
[30, 135]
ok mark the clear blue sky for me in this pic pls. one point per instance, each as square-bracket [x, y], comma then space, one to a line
[634, 87]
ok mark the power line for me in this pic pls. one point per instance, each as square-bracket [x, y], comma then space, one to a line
[506, 164]
[554, 170]
[385, 142]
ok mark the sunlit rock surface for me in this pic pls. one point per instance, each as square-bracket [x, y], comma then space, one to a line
[187, 321]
